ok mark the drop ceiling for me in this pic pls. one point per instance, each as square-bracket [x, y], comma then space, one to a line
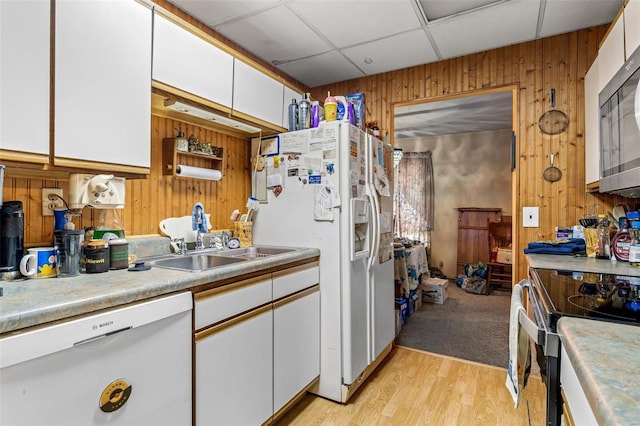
[319, 42]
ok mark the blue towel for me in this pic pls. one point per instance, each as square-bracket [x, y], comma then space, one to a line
[566, 246]
[199, 218]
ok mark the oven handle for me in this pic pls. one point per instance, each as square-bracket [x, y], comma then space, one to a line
[538, 329]
[531, 328]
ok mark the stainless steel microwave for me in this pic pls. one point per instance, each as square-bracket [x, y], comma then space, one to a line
[620, 131]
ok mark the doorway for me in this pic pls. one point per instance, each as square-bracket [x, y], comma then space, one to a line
[471, 140]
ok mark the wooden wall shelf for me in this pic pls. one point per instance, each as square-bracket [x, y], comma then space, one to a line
[170, 156]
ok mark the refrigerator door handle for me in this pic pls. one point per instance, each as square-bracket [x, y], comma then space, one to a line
[375, 222]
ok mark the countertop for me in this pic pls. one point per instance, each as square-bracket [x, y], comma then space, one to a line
[604, 354]
[31, 302]
[583, 264]
[605, 358]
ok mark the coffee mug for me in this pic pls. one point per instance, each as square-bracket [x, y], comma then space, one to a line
[40, 262]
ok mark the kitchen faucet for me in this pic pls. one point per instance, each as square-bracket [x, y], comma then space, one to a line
[199, 224]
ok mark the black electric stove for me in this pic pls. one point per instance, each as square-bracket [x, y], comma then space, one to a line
[589, 295]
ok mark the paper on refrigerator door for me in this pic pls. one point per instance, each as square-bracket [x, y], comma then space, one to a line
[326, 197]
[381, 182]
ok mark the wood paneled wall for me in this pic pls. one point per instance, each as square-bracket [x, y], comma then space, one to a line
[150, 200]
[535, 67]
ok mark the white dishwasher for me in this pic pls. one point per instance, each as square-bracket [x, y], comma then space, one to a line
[126, 366]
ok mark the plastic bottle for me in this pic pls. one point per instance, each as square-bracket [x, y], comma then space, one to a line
[604, 240]
[621, 242]
[304, 117]
[634, 248]
[315, 113]
[293, 115]
[330, 108]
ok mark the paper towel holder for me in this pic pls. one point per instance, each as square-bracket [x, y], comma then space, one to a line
[170, 155]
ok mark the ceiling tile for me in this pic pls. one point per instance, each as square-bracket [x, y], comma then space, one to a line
[400, 51]
[321, 69]
[213, 12]
[563, 16]
[501, 25]
[347, 23]
[275, 34]
[436, 9]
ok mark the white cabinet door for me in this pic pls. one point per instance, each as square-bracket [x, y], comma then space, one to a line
[234, 372]
[187, 62]
[575, 398]
[611, 53]
[256, 94]
[631, 27]
[103, 82]
[296, 345]
[24, 76]
[592, 124]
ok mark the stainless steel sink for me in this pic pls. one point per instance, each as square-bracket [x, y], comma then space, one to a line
[255, 252]
[195, 262]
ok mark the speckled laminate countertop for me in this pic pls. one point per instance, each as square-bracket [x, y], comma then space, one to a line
[605, 358]
[583, 264]
[31, 302]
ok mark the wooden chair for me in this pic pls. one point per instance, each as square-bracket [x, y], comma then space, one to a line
[499, 237]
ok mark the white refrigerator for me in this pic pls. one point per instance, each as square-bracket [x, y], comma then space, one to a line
[330, 188]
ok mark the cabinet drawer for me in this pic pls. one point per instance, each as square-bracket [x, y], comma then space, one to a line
[217, 304]
[295, 279]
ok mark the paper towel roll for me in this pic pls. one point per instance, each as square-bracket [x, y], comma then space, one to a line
[198, 172]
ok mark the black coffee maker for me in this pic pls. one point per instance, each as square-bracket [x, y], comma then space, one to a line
[11, 239]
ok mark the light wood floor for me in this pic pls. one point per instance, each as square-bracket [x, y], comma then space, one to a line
[414, 387]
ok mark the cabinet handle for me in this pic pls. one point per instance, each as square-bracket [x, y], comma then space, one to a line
[295, 296]
[233, 321]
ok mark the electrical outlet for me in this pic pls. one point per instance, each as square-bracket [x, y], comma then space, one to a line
[530, 217]
[50, 201]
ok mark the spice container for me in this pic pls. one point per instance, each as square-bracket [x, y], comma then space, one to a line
[96, 254]
[118, 254]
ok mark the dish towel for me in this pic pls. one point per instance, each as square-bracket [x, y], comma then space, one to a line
[519, 348]
[199, 219]
[569, 246]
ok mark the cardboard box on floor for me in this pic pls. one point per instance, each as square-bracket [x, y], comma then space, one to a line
[435, 290]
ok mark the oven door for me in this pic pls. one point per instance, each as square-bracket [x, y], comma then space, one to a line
[537, 325]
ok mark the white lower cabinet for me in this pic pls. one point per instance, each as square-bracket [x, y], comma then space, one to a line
[234, 372]
[577, 410]
[296, 345]
[257, 346]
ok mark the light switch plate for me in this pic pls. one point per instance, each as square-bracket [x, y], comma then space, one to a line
[530, 217]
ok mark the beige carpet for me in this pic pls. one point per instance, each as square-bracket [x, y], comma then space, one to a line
[467, 326]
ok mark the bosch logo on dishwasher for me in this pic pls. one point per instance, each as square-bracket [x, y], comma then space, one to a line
[102, 325]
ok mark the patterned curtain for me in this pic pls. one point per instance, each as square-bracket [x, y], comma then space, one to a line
[413, 197]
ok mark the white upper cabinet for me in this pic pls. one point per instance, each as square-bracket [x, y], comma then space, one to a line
[256, 94]
[611, 53]
[185, 61]
[103, 82]
[24, 76]
[632, 26]
[592, 124]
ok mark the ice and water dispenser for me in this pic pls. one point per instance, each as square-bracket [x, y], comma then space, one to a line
[360, 218]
